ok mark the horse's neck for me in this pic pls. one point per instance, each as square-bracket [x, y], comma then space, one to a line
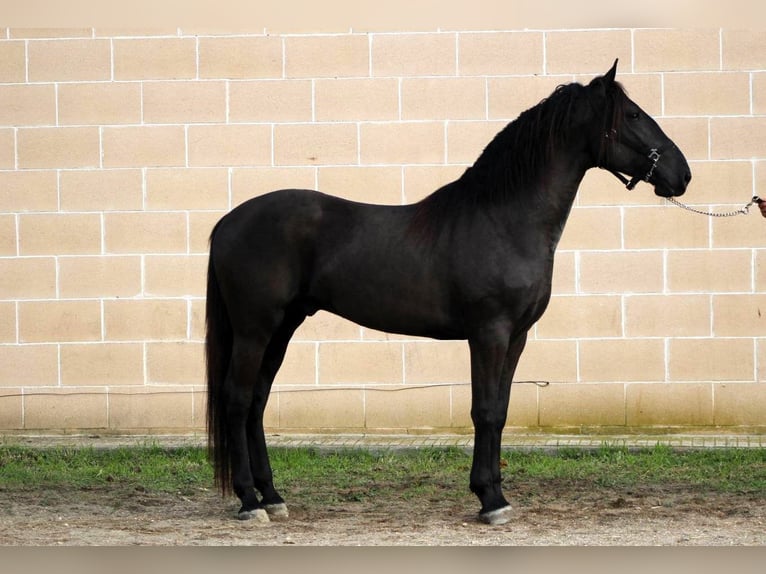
[546, 206]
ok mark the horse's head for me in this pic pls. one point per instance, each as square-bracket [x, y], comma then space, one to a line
[631, 142]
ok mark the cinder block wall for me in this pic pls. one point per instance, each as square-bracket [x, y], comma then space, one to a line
[120, 150]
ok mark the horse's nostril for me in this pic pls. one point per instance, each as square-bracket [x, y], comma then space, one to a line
[687, 177]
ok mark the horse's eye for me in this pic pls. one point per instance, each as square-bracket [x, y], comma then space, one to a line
[633, 115]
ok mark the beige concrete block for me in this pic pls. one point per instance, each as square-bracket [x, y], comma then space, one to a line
[325, 326]
[759, 93]
[102, 190]
[175, 275]
[422, 180]
[7, 322]
[155, 58]
[585, 51]
[184, 102]
[739, 315]
[99, 103]
[201, 224]
[270, 101]
[59, 321]
[68, 410]
[552, 361]
[52, 33]
[665, 50]
[710, 271]
[739, 232]
[69, 60]
[102, 364]
[142, 232]
[28, 365]
[11, 409]
[144, 146]
[737, 137]
[175, 363]
[327, 56]
[413, 55]
[247, 183]
[711, 359]
[581, 404]
[402, 143]
[739, 404]
[151, 408]
[245, 57]
[443, 98]
[621, 272]
[508, 97]
[592, 228]
[28, 278]
[707, 94]
[27, 105]
[664, 227]
[622, 360]
[59, 234]
[436, 362]
[229, 145]
[315, 144]
[467, 139]
[667, 316]
[669, 404]
[357, 99]
[321, 409]
[743, 49]
[299, 366]
[381, 185]
[410, 408]
[199, 409]
[197, 320]
[7, 149]
[7, 235]
[177, 189]
[354, 363]
[13, 67]
[578, 316]
[145, 319]
[99, 276]
[58, 148]
[564, 280]
[720, 182]
[500, 53]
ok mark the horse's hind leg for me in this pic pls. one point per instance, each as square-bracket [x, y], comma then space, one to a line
[272, 502]
[246, 360]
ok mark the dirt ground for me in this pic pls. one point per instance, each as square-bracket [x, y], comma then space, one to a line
[544, 514]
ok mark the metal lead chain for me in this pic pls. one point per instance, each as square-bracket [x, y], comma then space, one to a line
[743, 211]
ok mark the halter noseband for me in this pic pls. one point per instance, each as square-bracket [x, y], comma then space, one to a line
[653, 156]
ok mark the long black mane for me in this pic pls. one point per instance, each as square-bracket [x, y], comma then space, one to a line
[513, 161]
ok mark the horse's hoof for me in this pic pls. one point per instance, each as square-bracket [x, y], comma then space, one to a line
[497, 516]
[257, 514]
[278, 510]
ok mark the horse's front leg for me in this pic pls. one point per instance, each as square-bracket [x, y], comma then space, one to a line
[494, 356]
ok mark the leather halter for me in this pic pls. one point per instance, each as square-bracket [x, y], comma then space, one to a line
[653, 156]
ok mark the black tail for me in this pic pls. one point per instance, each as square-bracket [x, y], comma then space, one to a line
[218, 346]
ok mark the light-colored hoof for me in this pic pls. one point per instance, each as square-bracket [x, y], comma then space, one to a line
[278, 510]
[258, 514]
[496, 517]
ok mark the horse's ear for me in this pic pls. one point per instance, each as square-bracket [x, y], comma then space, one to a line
[609, 76]
[602, 84]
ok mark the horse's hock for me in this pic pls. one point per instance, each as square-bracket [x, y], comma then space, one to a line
[119, 152]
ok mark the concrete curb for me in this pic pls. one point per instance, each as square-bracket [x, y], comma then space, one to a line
[384, 441]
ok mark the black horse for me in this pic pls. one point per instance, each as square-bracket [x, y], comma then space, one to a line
[471, 261]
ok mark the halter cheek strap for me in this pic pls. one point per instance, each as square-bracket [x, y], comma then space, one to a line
[654, 157]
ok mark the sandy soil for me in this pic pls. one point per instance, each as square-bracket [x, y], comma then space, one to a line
[544, 514]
